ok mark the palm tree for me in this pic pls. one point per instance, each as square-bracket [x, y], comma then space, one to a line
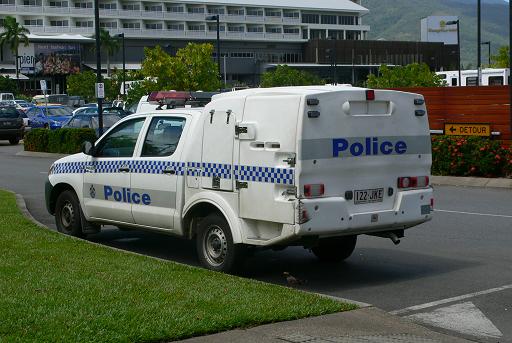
[110, 44]
[14, 34]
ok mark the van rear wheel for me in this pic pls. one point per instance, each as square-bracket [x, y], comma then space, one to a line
[335, 249]
[14, 141]
[215, 248]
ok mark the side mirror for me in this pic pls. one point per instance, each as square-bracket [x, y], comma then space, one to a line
[88, 148]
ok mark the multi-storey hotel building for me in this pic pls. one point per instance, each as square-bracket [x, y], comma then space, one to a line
[253, 33]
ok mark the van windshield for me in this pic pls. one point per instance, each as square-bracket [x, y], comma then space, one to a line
[8, 112]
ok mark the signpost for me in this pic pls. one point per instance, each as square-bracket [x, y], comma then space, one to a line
[44, 88]
[100, 90]
[463, 129]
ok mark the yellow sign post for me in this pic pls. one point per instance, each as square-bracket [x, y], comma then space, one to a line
[460, 129]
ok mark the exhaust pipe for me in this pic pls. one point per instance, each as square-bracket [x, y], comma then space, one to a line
[394, 238]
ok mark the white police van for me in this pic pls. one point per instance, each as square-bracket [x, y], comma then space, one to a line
[309, 166]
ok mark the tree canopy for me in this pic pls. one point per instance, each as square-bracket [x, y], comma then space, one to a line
[284, 75]
[412, 75]
[501, 60]
[13, 35]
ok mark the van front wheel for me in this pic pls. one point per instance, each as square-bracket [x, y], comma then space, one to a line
[335, 249]
[215, 247]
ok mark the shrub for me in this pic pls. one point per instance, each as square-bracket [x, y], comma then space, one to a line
[470, 156]
[64, 141]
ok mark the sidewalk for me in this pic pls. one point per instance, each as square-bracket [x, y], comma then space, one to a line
[367, 325]
[471, 181]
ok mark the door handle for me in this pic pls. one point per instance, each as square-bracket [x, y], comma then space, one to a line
[169, 171]
[90, 169]
[124, 170]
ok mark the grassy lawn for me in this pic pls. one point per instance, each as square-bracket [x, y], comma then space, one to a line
[57, 289]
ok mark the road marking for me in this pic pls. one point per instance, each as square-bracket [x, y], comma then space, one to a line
[451, 300]
[465, 318]
[476, 214]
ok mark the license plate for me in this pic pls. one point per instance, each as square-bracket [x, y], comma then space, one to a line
[368, 196]
[7, 123]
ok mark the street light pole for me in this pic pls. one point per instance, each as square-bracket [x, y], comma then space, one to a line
[457, 22]
[510, 63]
[121, 35]
[489, 46]
[98, 64]
[479, 64]
[217, 18]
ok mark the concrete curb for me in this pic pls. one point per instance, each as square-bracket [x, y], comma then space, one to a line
[40, 154]
[471, 182]
[22, 205]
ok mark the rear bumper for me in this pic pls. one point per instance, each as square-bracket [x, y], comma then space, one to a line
[11, 133]
[330, 216]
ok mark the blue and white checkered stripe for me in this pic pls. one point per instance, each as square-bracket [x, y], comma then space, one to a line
[216, 169]
[156, 167]
[282, 176]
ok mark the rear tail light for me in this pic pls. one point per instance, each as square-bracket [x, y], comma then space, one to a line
[370, 95]
[314, 190]
[432, 204]
[413, 182]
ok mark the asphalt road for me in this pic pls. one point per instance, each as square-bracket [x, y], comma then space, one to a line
[453, 274]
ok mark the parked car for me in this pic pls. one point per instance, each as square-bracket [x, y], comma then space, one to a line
[106, 110]
[11, 125]
[85, 110]
[23, 105]
[57, 115]
[91, 121]
[7, 97]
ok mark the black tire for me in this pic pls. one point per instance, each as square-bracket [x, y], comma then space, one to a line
[335, 249]
[215, 248]
[67, 214]
[14, 141]
[46, 126]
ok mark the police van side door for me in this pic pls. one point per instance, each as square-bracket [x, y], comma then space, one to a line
[156, 171]
[107, 174]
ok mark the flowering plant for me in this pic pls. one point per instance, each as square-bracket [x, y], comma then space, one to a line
[470, 156]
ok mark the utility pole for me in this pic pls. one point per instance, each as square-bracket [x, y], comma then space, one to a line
[479, 64]
[98, 65]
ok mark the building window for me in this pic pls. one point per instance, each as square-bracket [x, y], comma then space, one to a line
[216, 10]
[222, 54]
[107, 6]
[291, 30]
[346, 20]
[32, 3]
[242, 55]
[495, 80]
[83, 5]
[34, 22]
[254, 28]
[59, 23]
[274, 30]
[175, 9]
[153, 26]
[272, 13]
[131, 26]
[7, 2]
[88, 23]
[328, 19]
[108, 25]
[255, 12]
[291, 14]
[236, 29]
[196, 10]
[213, 27]
[310, 18]
[58, 3]
[238, 11]
[176, 27]
[196, 27]
[153, 8]
[131, 7]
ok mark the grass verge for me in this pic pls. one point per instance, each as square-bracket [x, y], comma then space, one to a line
[57, 289]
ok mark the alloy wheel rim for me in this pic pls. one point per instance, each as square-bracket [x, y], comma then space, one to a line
[66, 215]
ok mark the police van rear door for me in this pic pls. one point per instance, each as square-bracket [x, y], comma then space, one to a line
[356, 143]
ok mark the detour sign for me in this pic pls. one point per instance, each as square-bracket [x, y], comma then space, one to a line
[483, 130]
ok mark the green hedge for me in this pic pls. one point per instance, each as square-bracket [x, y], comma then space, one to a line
[470, 156]
[64, 141]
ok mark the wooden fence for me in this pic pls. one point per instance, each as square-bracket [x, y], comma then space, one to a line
[485, 105]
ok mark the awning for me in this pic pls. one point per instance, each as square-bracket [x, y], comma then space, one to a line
[13, 76]
[128, 66]
[59, 38]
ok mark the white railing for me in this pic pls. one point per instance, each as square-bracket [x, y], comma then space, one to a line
[152, 14]
[109, 13]
[291, 20]
[56, 9]
[255, 18]
[271, 19]
[7, 8]
[84, 11]
[31, 9]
